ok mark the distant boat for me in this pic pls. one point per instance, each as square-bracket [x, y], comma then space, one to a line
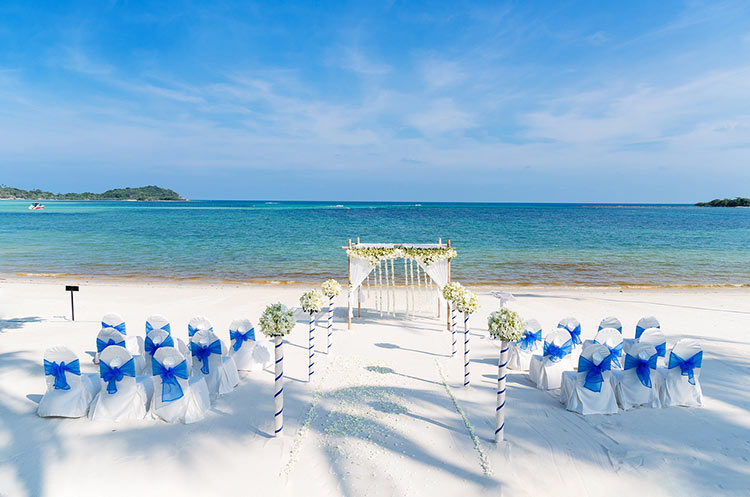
[36, 206]
[417, 205]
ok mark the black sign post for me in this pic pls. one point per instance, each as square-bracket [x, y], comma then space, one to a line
[71, 289]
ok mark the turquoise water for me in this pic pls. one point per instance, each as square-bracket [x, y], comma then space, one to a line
[299, 241]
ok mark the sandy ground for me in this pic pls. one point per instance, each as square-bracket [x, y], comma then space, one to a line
[387, 415]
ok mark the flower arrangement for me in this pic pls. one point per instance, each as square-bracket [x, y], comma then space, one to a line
[505, 325]
[468, 303]
[276, 320]
[426, 256]
[429, 256]
[453, 291]
[331, 288]
[311, 301]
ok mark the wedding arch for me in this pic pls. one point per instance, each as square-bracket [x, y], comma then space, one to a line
[426, 267]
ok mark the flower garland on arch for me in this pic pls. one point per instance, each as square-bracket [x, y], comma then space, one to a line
[427, 256]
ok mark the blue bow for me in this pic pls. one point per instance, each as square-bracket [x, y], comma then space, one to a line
[594, 378]
[170, 386]
[556, 353]
[120, 327]
[152, 347]
[150, 328]
[643, 367]
[113, 375]
[686, 365]
[661, 349]
[192, 331]
[529, 339]
[202, 353]
[58, 371]
[240, 337]
[575, 334]
[101, 344]
[615, 353]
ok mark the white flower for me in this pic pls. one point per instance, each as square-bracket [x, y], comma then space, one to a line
[505, 325]
[311, 301]
[468, 302]
[452, 291]
[276, 320]
[331, 288]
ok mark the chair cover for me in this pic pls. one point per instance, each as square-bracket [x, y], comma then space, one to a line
[134, 344]
[611, 322]
[157, 322]
[574, 328]
[522, 350]
[199, 323]
[156, 339]
[640, 384]
[612, 339]
[682, 386]
[644, 324]
[210, 360]
[655, 337]
[68, 393]
[120, 396]
[243, 340]
[546, 370]
[108, 336]
[589, 391]
[176, 398]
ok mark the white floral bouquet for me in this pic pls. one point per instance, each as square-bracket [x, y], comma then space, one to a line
[311, 301]
[453, 291]
[276, 320]
[468, 303]
[331, 288]
[505, 325]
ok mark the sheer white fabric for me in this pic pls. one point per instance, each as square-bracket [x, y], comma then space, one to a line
[222, 374]
[678, 391]
[655, 337]
[521, 358]
[71, 403]
[630, 391]
[611, 322]
[612, 339]
[130, 401]
[359, 268]
[193, 404]
[577, 397]
[543, 371]
[439, 272]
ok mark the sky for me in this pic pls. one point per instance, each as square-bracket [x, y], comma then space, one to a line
[526, 101]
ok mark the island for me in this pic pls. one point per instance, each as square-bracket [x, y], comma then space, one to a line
[726, 202]
[150, 192]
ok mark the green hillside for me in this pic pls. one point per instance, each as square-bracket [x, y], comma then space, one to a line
[151, 192]
[726, 202]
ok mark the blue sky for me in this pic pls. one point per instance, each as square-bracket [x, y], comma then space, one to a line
[519, 101]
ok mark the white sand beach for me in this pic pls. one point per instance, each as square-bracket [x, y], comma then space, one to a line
[387, 415]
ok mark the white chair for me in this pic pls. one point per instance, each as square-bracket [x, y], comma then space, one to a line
[134, 344]
[68, 393]
[639, 385]
[106, 337]
[199, 323]
[574, 328]
[681, 385]
[610, 322]
[244, 342]
[655, 337]
[644, 324]
[177, 398]
[522, 350]
[156, 339]
[157, 322]
[612, 339]
[589, 391]
[210, 360]
[546, 370]
[120, 397]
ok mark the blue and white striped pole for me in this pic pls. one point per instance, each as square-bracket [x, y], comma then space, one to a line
[466, 349]
[330, 323]
[278, 396]
[453, 328]
[311, 349]
[501, 372]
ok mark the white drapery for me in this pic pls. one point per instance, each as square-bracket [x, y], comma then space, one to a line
[359, 269]
[439, 271]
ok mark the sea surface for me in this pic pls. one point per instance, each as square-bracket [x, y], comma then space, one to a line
[239, 241]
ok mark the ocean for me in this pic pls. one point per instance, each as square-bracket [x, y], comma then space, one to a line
[259, 241]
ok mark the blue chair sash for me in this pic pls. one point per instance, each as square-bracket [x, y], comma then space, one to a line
[113, 375]
[528, 340]
[615, 353]
[152, 347]
[238, 337]
[192, 331]
[661, 349]
[150, 328]
[575, 334]
[555, 353]
[119, 327]
[686, 365]
[203, 353]
[59, 370]
[640, 329]
[101, 344]
[170, 386]
[642, 367]
[594, 377]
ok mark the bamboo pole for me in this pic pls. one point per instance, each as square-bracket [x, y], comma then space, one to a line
[448, 304]
[348, 299]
